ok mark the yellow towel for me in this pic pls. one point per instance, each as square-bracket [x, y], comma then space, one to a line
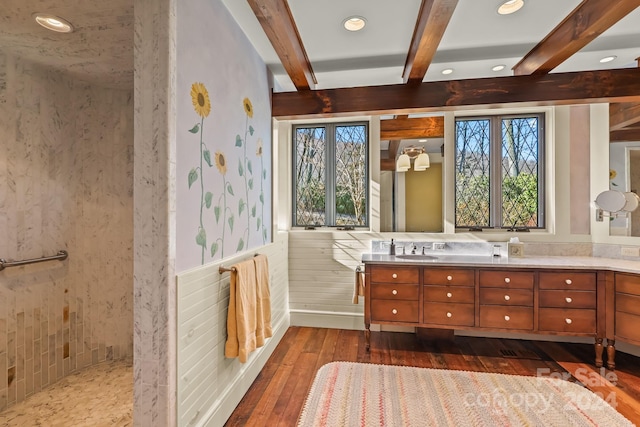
[241, 317]
[263, 300]
[358, 289]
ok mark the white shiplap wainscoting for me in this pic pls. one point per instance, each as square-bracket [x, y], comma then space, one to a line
[210, 386]
[321, 278]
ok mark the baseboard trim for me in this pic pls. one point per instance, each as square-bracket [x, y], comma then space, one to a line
[220, 412]
[327, 319]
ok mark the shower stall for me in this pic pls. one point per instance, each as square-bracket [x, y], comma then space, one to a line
[66, 183]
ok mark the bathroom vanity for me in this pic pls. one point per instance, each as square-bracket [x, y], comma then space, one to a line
[550, 296]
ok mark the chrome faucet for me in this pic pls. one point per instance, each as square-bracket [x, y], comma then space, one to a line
[414, 249]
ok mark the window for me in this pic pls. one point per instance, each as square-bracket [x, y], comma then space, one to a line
[499, 172]
[331, 180]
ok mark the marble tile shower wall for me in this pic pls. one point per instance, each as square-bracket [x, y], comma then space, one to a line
[66, 183]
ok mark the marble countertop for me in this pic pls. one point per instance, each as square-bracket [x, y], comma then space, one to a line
[575, 262]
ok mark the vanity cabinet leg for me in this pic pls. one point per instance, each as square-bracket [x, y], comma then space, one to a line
[367, 337]
[599, 348]
[611, 354]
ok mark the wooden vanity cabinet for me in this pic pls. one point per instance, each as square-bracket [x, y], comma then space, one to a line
[627, 313]
[532, 301]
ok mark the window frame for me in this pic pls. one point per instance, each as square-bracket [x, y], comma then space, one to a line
[330, 173]
[495, 168]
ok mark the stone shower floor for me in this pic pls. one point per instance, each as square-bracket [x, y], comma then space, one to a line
[97, 396]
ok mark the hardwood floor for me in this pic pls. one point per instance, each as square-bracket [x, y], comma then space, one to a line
[278, 393]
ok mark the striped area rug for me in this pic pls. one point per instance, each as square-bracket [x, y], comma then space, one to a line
[365, 395]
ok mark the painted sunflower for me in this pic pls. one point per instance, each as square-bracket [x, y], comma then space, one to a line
[200, 99]
[221, 162]
[248, 108]
[612, 173]
[259, 147]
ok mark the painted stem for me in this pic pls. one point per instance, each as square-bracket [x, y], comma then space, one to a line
[262, 194]
[201, 183]
[246, 185]
[224, 216]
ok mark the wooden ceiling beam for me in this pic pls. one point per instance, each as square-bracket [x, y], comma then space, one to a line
[414, 128]
[622, 115]
[586, 22]
[433, 18]
[624, 135]
[278, 24]
[622, 85]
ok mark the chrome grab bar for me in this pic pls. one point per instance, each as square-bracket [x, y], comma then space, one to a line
[61, 255]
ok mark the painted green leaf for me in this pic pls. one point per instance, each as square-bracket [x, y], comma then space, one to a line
[249, 167]
[241, 206]
[259, 223]
[264, 233]
[264, 174]
[250, 184]
[230, 220]
[193, 176]
[230, 189]
[253, 211]
[216, 211]
[207, 157]
[251, 130]
[262, 198]
[195, 129]
[214, 248]
[207, 199]
[240, 245]
[240, 168]
[201, 238]
[238, 141]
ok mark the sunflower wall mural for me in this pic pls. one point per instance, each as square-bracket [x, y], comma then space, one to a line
[223, 135]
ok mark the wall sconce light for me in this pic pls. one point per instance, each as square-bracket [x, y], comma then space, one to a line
[417, 154]
[614, 204]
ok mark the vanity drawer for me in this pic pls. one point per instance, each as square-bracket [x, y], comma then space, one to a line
[567, 299]
[394, 311]
[449, 294]
[628, 303]
[628, 284]
[449, 276]
[497, 296]
[567, 320]
[395, 274]
[394, 291]
[628, 326]
[504, 317]
[570, 280]
[453, 314]
[506, 279]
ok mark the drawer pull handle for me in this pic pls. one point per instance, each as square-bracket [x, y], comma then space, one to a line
[568, 281]
[449, 294]
[568, 321]
[567, 299]
[507, 297]
[449, 314]
[507, 318]
[394, 275]
[394, 292]
[449, 278]
[394, 311]
[507, 280]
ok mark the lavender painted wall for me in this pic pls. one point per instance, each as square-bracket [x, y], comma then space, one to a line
[223, 137]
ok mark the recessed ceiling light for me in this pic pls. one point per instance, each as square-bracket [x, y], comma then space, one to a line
[447, 71]
[498, 67]
[354, 23]
[422, 140]
[53, 23]
[607, 59]
[510, 7]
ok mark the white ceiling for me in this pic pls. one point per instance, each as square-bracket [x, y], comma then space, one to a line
[476, 39]
[101, 48]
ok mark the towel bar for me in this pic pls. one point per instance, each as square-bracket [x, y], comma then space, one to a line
[61, 255]
[223, 269]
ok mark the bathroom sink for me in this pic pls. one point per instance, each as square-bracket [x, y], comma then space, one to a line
[416, 256]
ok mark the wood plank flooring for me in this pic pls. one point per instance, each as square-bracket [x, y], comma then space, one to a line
[278, 393]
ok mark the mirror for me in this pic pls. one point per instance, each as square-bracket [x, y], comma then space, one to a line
[411, 201]
[624, 177]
